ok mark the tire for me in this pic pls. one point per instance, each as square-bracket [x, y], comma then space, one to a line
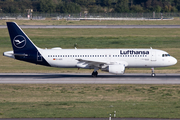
[94, 74]
[153, 74]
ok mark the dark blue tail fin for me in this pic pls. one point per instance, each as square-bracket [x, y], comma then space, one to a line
[24, 48]
[20, 41]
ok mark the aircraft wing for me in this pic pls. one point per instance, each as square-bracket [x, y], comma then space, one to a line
[100, 63]
[92, 62]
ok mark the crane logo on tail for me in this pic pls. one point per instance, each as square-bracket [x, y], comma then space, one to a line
[19, 41]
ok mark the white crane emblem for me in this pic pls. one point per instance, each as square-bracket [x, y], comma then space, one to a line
[19, 41]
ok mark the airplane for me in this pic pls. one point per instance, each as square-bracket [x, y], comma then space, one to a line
[114, 61]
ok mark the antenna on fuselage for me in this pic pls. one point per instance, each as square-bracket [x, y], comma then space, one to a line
[75, 46]
[151, 47]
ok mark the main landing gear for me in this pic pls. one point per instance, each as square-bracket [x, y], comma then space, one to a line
[153, 74]
[95, 73]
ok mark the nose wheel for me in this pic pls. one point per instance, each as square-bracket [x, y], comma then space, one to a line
[153, 74]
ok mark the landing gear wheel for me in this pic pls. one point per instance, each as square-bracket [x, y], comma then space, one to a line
[153, 74]
[94, 74]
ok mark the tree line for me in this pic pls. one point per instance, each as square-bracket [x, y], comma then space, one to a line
[91, 6]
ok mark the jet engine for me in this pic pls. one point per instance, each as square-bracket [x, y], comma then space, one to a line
[116, 69]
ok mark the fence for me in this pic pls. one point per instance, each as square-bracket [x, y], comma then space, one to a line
[88, 15]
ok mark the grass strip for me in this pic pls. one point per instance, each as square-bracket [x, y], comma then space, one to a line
[44, 100]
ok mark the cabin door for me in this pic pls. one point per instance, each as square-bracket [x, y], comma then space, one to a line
[153, 56]
[39, 57]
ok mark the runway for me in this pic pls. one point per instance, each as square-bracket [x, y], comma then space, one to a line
[96, 26]
[85, 78]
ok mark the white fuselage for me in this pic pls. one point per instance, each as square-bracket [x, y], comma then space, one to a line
[132, 58]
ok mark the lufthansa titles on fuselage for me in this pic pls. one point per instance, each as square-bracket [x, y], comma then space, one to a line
[124, 52]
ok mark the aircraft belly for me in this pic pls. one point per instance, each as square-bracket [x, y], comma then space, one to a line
[139, 63]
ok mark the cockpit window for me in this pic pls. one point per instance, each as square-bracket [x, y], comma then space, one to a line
[165, 55]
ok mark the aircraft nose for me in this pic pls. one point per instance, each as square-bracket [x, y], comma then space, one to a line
[174, 61]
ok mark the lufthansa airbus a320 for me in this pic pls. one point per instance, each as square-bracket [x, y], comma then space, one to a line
[114, 61]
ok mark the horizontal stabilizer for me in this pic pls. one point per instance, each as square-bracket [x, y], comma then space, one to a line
[20, 54]
[9, 54]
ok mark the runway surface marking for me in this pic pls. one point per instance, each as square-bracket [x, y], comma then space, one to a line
[86, 119]
[85, 78]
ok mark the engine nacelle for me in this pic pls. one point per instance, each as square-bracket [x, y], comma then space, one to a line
[116, 69]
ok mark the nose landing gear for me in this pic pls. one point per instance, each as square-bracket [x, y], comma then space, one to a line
[153, 74]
